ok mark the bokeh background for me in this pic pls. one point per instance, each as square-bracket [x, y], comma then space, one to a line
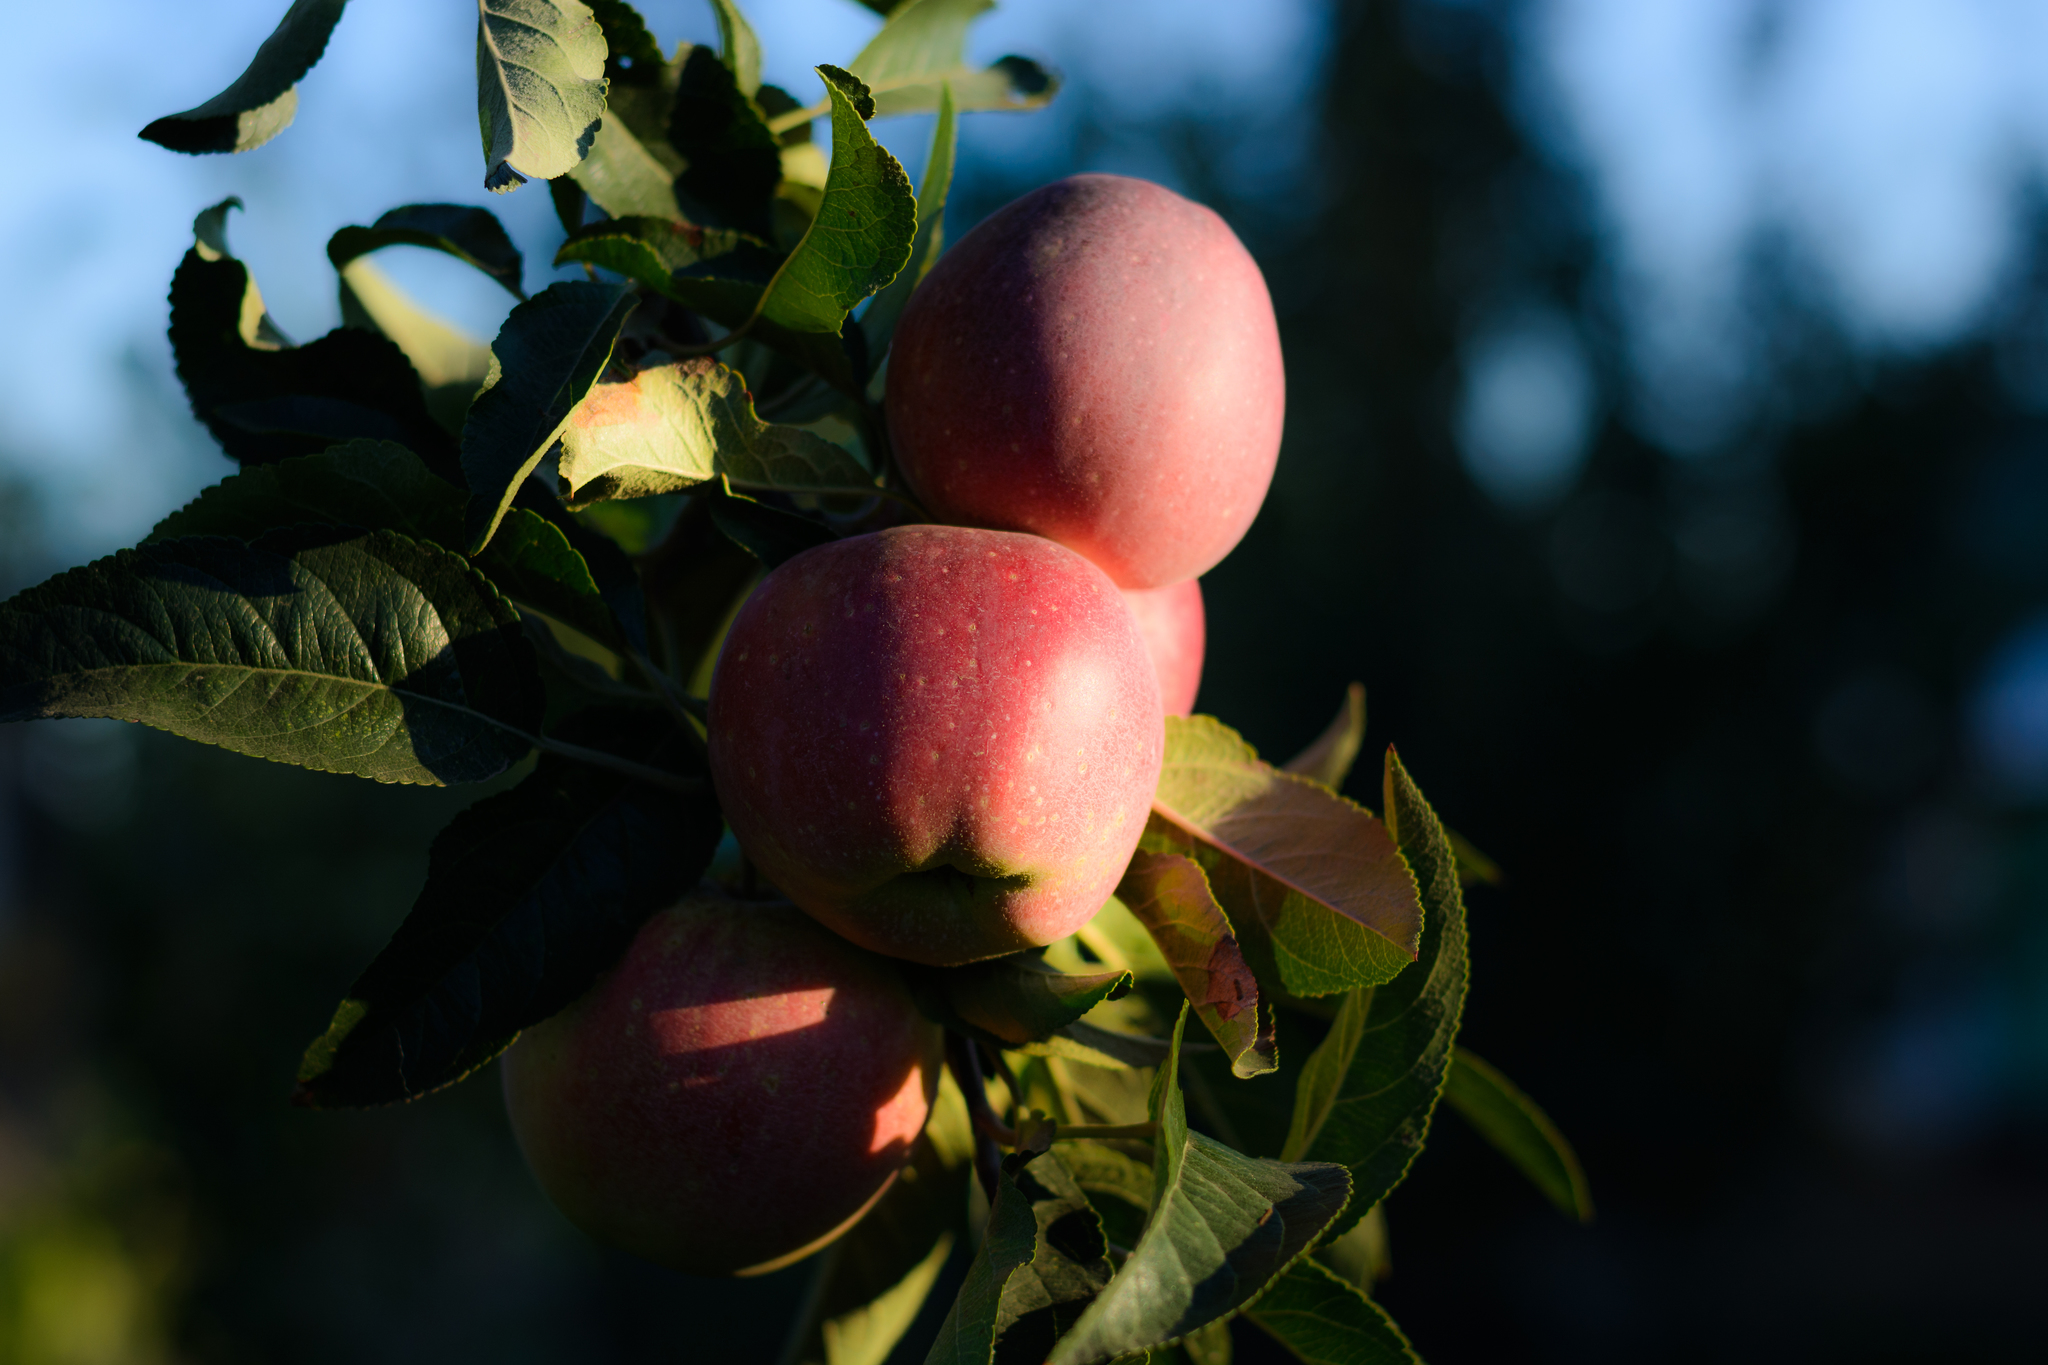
[1667, 452]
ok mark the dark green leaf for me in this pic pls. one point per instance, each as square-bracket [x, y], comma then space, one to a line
[1223, 1227]
[378, 486]
[530, 894]
[451, 364]
[371, 654]
[569, 200]
[1512, 1122]
[539, 87]
[265, 399]
[1328, 760]
[1020, 999]
[879, 322]
[737, 43]
[1311, 881]
[550, 351]
[769, 534]
[1170, 896]
[264, 98]
[694, 579]
[968, 1335]
[861, 236]
[471, 235]
[1361, 1256]
[627, 42]
[1325, 1321]
[733, 162]
[1068, 1267]
[671, 427]
[876, 1278]
[1367, 1095]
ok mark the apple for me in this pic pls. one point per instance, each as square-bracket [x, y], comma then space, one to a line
[1097, 363]
[940, 741]
[736, 1093]
[1175, 631]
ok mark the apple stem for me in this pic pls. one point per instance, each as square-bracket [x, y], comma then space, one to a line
[966, 1069]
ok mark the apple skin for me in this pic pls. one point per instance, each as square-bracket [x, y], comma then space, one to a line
[941, 742]
[1175, 630]
[734, 1095]
[1097, 363]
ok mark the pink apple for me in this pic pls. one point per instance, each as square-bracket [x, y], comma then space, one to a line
[1175, 630]
[734, 1095]
[941, 742]
[1096, 363]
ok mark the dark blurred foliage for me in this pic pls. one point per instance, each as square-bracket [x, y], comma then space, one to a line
[1770, 951]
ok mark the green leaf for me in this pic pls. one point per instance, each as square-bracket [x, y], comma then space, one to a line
[1328, 760]
[471, 235]
[1370, 1104]
[1170, 896]
[922, 40]
[539, 87]
[737, 43]
[1474, 867]
[968, 1335]
[626, 38]
[451, 364]
[861, 236]
[1068, 1267]
[1325, 1321]
[265, 399]
[1007, 85]
[1223, 1227]
[264, 98]
[1310, 880]
[548, 354]
[732, 161]
[371, 654]
[1523, 1133]
[623, 178]
[879, 322]
[530, 894]
[1011, 1001]
[874, 1280]
[672, 427]
[378, 486]
[1361, 1256]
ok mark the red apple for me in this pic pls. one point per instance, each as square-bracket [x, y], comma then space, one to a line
[941, 742]
[1097, 363]
[734, 1095]
[1175, 630]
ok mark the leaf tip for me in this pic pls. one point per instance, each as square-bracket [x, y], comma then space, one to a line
[502, 179]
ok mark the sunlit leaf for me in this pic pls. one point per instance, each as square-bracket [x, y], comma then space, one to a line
[372, 654]
[1223, 1227]
[1366, 1096]
[861, 236]
[738, 45]
[672, 427]
[265, 399]
[1324, 1321]
[539, 87]
[264, 98]
[473, 236]
[550, 351]
[623, 178]
[1522, 1132]
[879, 322]
[1170, 896]
[1008, 84]
[1310, 880]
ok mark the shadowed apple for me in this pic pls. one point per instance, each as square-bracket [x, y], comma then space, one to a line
[1175, 631]
[734, 1095]
[941, 742]
[1098, 363]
